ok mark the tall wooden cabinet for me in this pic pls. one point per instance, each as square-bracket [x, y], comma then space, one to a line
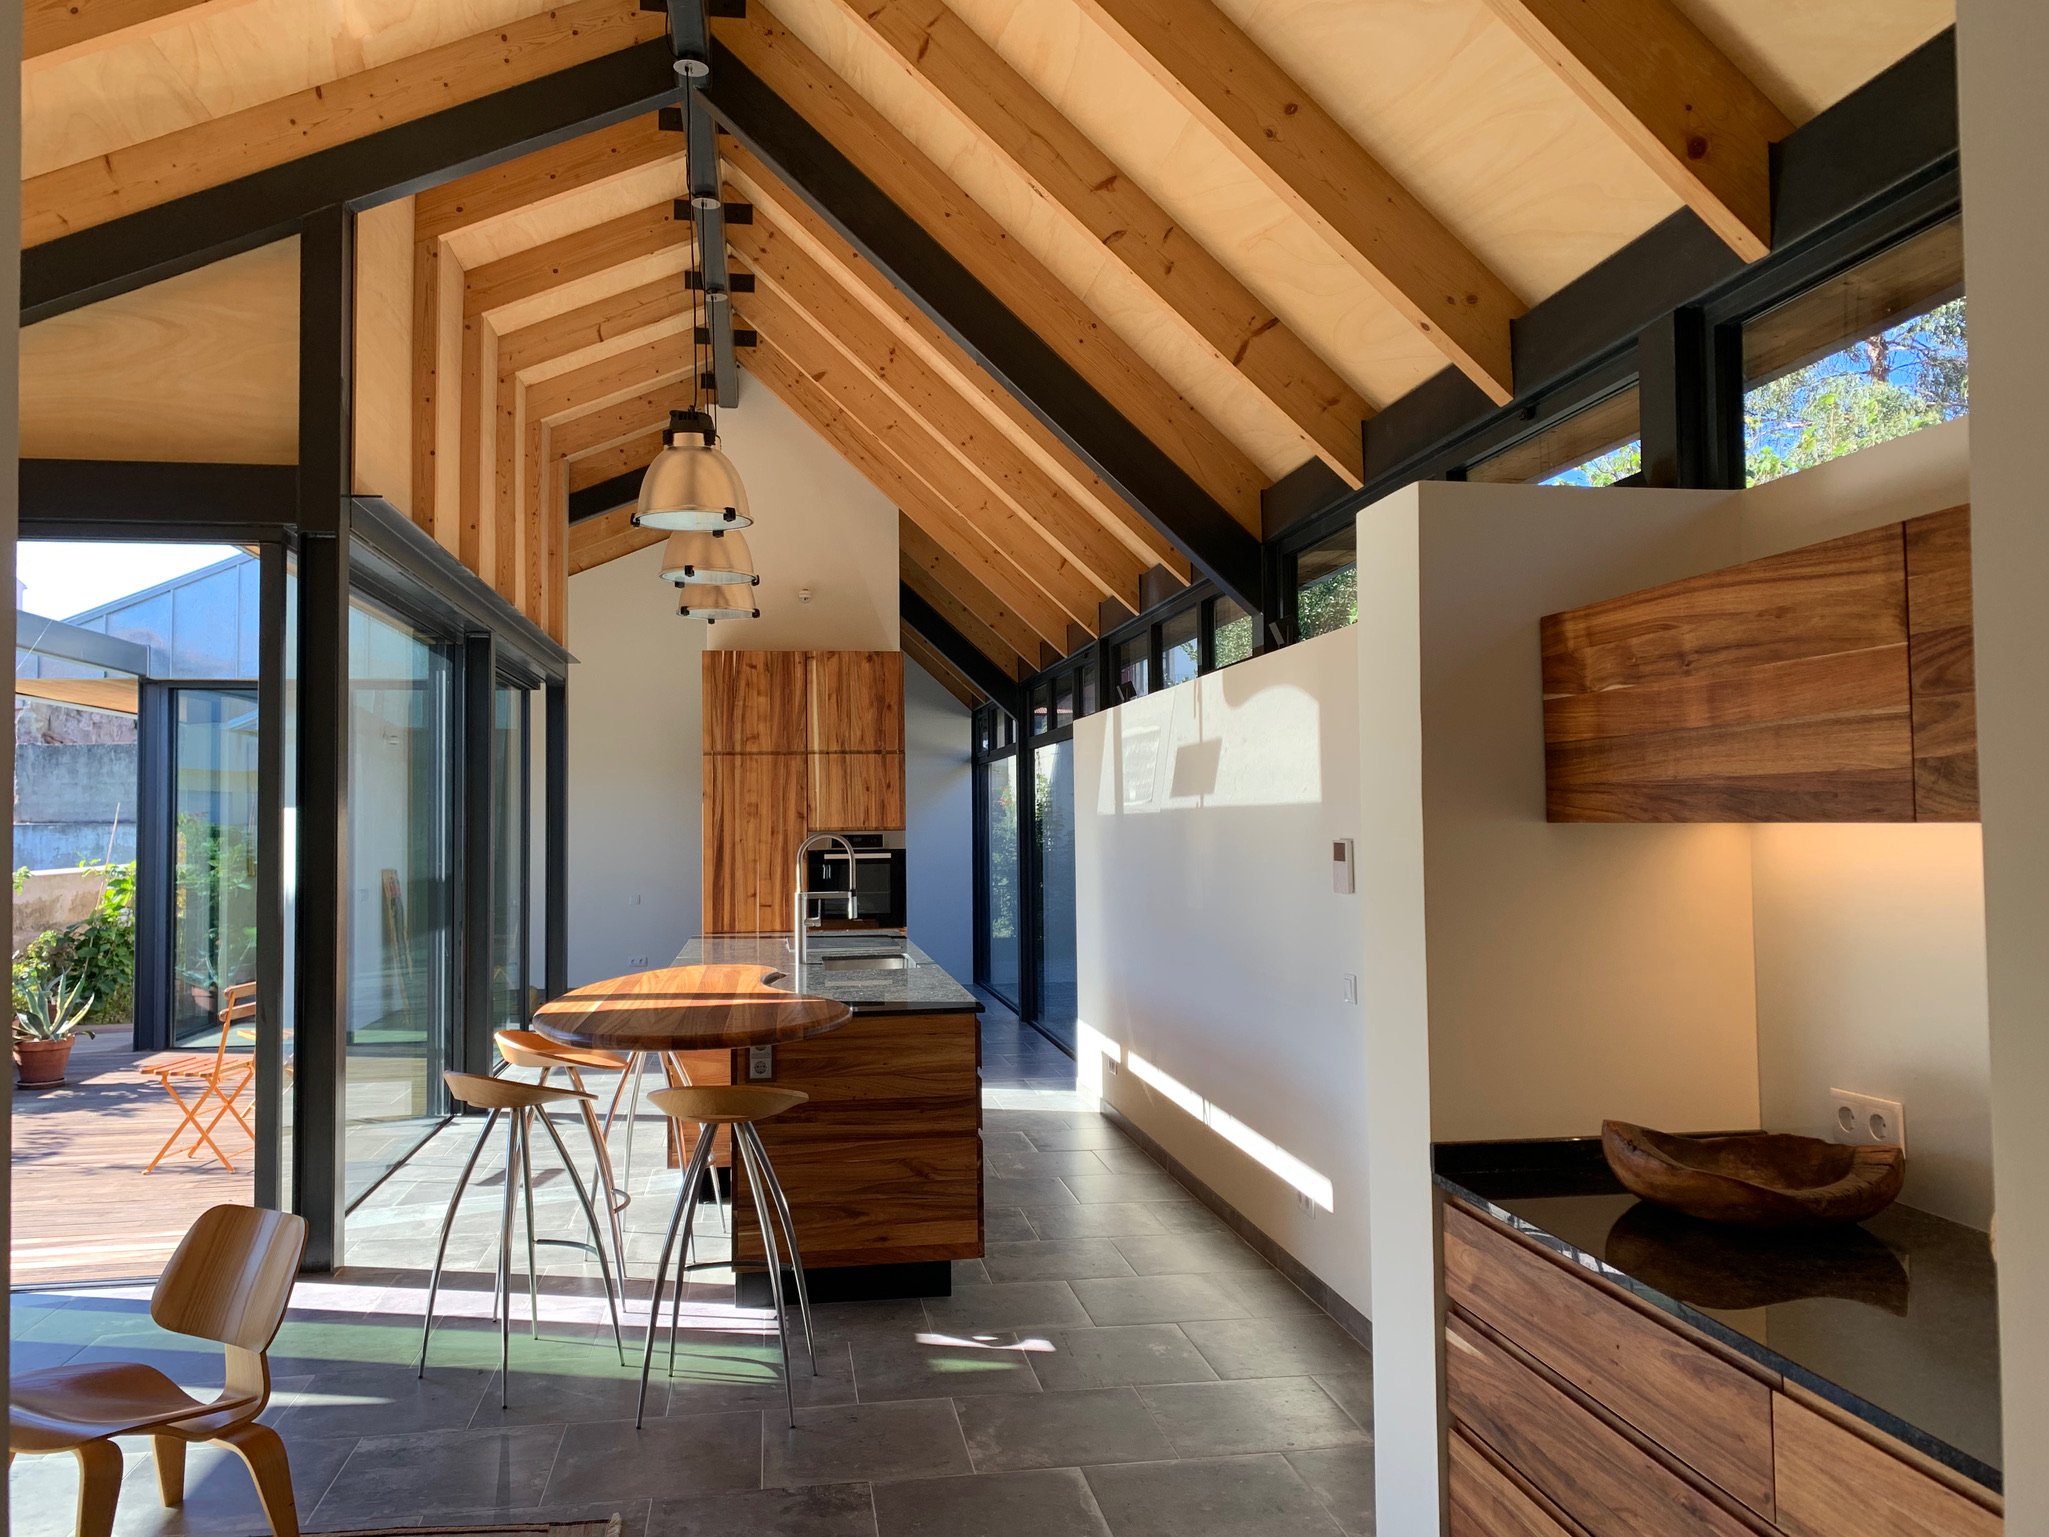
[794, 742]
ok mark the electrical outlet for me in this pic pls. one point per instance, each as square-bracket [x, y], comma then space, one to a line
[638, 962]
[1351, 988]
[1864, 1120]
[1302, 1200]
[760, 1063]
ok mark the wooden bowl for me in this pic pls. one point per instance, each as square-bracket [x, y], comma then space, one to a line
[1754, 1179]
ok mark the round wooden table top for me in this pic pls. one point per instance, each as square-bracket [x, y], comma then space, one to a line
[687, 1008]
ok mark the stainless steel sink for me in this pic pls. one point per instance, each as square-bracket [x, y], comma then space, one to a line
[890, 960]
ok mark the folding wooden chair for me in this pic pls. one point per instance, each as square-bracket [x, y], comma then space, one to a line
[219, 1075]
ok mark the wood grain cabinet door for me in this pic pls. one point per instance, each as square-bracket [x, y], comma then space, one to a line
[857, 791]
[1833, 1483]
[1716, 1419]
[856, 701]
[1485, 1501]
[754, 818]
[754, 701]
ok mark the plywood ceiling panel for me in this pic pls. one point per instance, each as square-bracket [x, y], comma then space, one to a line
[204, 366]
[1811, 55]
[222, 60]
[567, 212]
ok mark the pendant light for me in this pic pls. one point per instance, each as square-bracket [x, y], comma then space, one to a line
[708, 556]
[710, 603]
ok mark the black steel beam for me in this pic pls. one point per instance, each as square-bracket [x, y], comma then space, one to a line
[61, 495]
[478, 887]
[321, 1008]
[606, 496]
[1016, 356]
[253, 210]
[555, 839]
[1689, 402]
[973, 663]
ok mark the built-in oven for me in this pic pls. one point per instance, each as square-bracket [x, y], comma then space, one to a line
[875, 875]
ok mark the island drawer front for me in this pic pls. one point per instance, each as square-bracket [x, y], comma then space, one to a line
[1834, 1483]
[892, 1200]
[1485, 1502]
[882, 1075]
[1600, 1479]
[1705, 1412]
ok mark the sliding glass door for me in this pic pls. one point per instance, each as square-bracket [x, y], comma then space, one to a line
[402, 769]
[510, 872]
[214, 827]
[1053, 891]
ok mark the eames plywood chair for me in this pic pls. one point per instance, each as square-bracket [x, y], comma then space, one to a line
[229, 1281]
[739, 1106]
[522, 1105]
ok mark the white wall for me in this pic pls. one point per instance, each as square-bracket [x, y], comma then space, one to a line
[1211, 948]
[818, 525]
[636, 780]
[2003, 56]
[939, 801]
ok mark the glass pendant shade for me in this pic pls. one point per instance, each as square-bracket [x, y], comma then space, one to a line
[710, 602]
[691, 485]
[710, 556]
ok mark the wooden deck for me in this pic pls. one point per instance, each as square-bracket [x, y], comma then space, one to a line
[83, 1209]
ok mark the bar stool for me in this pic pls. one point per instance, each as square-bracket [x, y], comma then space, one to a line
[522, 1104]
[739, 1106]
[531, 1049]
[627, 1091]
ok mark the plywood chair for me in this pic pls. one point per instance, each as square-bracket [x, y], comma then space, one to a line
[229, 1281]
[218, 1074]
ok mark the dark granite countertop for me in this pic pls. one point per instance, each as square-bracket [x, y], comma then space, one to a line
[1894, 1320]
[919, 988]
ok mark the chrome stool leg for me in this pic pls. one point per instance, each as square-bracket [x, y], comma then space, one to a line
[775, 1268]
[447, 1226]
[748, 1130]
[590, 1216]
[526, 1188]
[685, 1198]
[512, 1141]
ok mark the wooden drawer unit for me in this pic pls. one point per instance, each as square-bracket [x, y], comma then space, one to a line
[883, 1074]
[1713, 1417]
[890, 1200]
[1603, 1481]
[1835, 1483]
[1486, 1502]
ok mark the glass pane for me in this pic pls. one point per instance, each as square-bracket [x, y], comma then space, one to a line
[1063, 700]
[1180, 653]
[1134, 668]
[1230, 632]
[1041, 710]
[213, 873]
[401, 768]
[288, 856]
[1053, 789]
[1006, 954]
[509, 861]
[1593, 447]
[1089, 700]
[1874, 354]
[1326, 586]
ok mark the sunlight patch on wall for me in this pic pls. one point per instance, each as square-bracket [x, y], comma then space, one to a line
[1262, 1150]
[1221, 740]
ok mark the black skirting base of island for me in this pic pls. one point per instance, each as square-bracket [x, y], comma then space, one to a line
[850, 1283]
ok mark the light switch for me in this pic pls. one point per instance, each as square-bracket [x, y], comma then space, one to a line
[1341, 877]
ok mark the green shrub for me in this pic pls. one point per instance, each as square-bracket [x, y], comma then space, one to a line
[97, 953]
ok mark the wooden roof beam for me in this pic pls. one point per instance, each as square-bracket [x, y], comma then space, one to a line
[569, 258]
[1030, 615]
[1672, 96]
[589, 325]
[797, 219]
[50, 28]
[973, 610]
[1319, 170]
[954, 610]
[792, 277]
[950, 256]
[561, 168]
[981, 89]
[173, 165]
[938, 668]
[582, 432]
[923, 449]
[599, 541]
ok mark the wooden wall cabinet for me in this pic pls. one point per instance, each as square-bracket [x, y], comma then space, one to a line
[794, 741]
[1578, 1411]
[1828, 684]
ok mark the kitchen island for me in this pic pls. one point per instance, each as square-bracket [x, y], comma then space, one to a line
[883, 1163]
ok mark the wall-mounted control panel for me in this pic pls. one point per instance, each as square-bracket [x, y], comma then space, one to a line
[1343, 880]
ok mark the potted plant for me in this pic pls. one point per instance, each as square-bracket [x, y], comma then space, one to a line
[49, 1017]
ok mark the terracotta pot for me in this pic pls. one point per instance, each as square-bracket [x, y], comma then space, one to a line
[41, 1064]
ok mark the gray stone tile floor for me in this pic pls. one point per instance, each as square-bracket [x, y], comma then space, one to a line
[1120, 1365]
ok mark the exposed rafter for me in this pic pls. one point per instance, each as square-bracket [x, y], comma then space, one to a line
[866, 449]
[592, 429]
[51, 27]
[1673, 97]
[1029, 332]
[519, 183]
[268, 135]
[788, 275]
[982, 89]
[928, 622]
[957, 683]
[1308, 160]
[570, 257]
[950, 586]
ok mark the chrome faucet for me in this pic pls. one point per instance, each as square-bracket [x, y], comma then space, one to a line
[802, 920]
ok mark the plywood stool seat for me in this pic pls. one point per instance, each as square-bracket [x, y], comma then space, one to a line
[524, 1106]
[726, 1103]
[230, 1282]
[529, 1048]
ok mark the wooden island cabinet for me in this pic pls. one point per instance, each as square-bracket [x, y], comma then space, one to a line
[795, 742]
